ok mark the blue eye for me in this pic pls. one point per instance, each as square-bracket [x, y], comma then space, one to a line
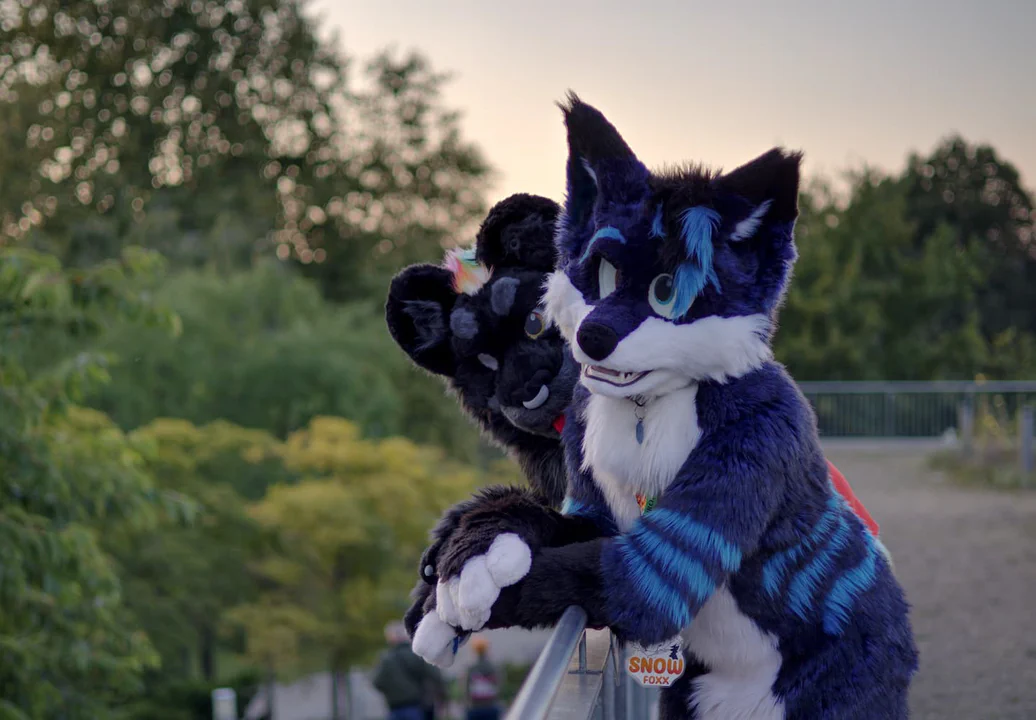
[661, 295]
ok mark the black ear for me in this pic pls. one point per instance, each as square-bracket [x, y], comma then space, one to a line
[773, 177]
[418, 308]
[519, 233]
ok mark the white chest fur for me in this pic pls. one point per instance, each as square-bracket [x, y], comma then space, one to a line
[621, 466]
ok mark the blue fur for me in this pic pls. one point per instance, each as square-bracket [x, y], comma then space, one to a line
[806, 582]
[696, 535]
[571, 506]
[751, 508]
[673, 562]
[848, 588]
[776, 568]
[650, 586]
[657, 229]
[697, 225]
[605, 232]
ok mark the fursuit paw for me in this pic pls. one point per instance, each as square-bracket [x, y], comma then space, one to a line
[466, 599]
[514, 505]
[437, 642]
[431, 639]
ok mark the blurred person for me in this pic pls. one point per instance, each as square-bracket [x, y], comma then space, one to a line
[483, 684]
[407, 682]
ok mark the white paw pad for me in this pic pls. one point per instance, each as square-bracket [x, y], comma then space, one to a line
[435, 641]
[467, 601]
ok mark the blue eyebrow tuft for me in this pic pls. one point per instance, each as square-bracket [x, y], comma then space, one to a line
[605, 232]
[694, 273]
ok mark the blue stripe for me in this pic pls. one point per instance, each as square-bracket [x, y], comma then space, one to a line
[605, 232]
[571, 506]
[691, 574]
[777, 566]
[656, 591]
[693, 533]
[804, 584]
[847, 588]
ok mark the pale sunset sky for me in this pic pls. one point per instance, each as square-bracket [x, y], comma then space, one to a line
[846, 82]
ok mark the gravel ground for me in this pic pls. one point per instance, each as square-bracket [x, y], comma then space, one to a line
[967, 559]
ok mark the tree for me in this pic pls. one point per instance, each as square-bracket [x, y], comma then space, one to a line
[972, 191]
[180, 577]
[869, 303]
[260, 348]
[350, 533]
[216, 132]
[68, 647]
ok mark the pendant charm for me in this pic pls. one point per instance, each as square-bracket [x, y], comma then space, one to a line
[640, 431]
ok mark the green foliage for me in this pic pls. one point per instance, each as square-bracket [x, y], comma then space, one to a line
[182, 574]
[350, 533]
[978, 198]
[870, 301]
[67, 645]
[219, 132]
[262, 349]
[189, 699]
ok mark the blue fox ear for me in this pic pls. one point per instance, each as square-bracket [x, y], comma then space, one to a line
[770, 183]
[601, 169]
[417, 311]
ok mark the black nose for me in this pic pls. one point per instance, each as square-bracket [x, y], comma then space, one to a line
[596, 340]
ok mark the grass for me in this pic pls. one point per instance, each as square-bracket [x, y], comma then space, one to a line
[986, 467]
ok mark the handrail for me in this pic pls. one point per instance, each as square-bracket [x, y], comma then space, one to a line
[538, 690]
[853, 387]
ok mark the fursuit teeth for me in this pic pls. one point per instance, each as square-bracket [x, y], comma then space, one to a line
[469, 275]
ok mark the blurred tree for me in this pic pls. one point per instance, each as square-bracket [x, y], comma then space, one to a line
[979, 197]
[179, 577]
[868, 303]
[68, 647]
[350, 532]
[260, 348]
[218, 131]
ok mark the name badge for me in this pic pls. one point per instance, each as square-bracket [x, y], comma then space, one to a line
[657, 665]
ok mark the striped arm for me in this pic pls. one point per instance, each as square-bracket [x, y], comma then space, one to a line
[666, 567]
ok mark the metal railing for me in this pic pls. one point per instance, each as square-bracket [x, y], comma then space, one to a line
[909, 409]
[580, 675]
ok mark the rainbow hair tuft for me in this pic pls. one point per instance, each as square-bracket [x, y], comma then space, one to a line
[469, 275]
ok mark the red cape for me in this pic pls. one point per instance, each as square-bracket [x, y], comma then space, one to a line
[842, 486]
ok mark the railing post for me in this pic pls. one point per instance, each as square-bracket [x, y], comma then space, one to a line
[582, 653]
[1026, 430]
[890, 415]
[608, 685]
[967, 425]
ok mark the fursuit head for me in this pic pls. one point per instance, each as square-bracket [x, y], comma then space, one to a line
[693, 456]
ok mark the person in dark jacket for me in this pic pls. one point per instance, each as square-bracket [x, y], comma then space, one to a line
[405, 680]
[483, 684]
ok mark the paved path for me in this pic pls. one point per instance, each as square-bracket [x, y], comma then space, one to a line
[967, 559]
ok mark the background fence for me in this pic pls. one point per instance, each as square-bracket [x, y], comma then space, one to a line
[912, 409]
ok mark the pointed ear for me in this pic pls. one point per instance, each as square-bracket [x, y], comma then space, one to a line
[771, 178]
[601, 169]
[518, 232]
[418, 308]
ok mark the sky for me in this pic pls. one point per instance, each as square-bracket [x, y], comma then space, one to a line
[847, 83]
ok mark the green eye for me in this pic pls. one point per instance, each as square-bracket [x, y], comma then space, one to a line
[534, 324]
[661, 295]
[607, 279]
